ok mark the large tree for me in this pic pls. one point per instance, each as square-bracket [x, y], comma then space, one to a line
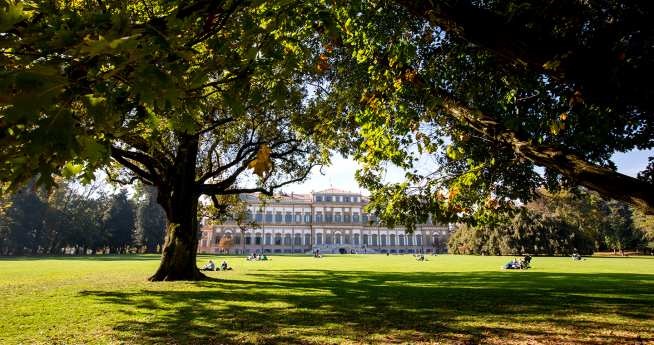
[183, 96]
[490, 90]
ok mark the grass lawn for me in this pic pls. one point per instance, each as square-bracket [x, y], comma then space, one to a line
[340, 299]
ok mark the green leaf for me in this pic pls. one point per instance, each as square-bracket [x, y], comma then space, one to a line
[279, 94]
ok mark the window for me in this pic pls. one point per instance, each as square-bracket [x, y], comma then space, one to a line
[248, 240]
[346, 199]
[298, 251]
[289, 218]
[354, 199]
[356, 240]
[307, 218]
[337, 218]
[278, 241]
[328, 199]
[365, 239]
[374, 219]
[374, 241]
[278, 218]
[319, 218]
[419, 241]
[337, 239]
[337, 198]
[298, 241]
[384, 251]
[287, 251]
[393, 251]
[237, 240]
[278, 251]
[257, 240]
[328, 218]
[204, 243]
[355, 219]
[258, 217]
[216, 239]
[347, 240]
[365, 219]
[267, 250]
[401, 240]
[427, 240]
[392, 241]
[249, 217]
[216, 250]
[328, 240]
[347, 218]
[409, 251]
[307, 241]
[384, 241]
[267, 240]
[409, 241]
[318, 198]
[401, 251]
[247, 250]
[318, 239]
[269, 217]
[298, 218]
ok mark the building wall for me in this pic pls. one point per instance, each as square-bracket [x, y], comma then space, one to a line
[288, 230]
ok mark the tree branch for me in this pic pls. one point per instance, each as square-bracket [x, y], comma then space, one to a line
[608, 182]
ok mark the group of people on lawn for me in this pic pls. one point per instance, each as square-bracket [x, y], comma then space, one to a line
[518, 264]
[254, 257]
[576, 256]
[212, 267]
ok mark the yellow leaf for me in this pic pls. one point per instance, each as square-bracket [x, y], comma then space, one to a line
[262, 163]
[564, 116]
[324, 57]
[323, 66]
[328, 48]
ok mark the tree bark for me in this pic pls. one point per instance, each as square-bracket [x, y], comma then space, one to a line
[180, 202]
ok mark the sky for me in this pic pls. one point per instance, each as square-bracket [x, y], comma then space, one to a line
[340, 174]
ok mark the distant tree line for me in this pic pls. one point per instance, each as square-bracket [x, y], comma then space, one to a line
[560, 224]
[84, 218]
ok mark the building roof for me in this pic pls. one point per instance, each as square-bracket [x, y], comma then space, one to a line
[335, 191]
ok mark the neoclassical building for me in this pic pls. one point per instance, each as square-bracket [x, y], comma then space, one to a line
[330, 221]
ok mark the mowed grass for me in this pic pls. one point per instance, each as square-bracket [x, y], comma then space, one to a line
[339, 299]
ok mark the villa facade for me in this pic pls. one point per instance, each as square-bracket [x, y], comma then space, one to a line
[329, 221]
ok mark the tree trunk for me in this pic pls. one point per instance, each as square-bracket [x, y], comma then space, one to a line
[180, 202]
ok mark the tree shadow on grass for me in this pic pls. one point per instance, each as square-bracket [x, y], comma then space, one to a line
[323, 306]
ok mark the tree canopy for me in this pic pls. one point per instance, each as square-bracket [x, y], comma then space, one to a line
[189, 96]
[490, 90]
[183, 96]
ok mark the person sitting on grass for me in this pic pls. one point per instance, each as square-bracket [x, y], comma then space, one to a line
[209, 267]
[511, 265]
[264, 257]
[223, 266]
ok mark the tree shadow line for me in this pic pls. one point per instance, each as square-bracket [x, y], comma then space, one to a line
[371, 305]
